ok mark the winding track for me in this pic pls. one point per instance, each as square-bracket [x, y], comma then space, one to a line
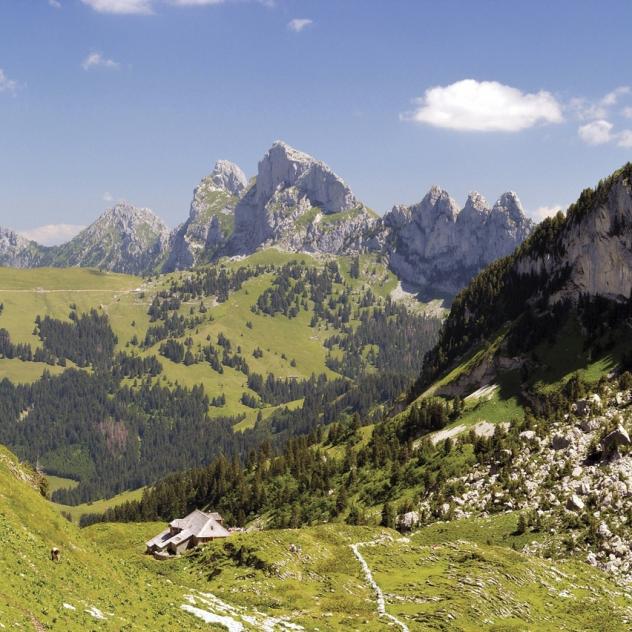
[379, 595]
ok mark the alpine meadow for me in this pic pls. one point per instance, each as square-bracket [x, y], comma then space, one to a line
[292, 409]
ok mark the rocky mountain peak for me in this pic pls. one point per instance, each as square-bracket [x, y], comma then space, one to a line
[436, 206]
[509, 204]
[227, 176]
[476, 205]
[283, 166]
[128, 218]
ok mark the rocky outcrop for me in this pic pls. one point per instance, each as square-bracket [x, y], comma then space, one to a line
[437, 247]
[299, 204]
[124, 239]
[296, 203]
[592, 250]
[211, 218]
[18, 252]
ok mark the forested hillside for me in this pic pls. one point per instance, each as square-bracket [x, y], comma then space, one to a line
[117, 381]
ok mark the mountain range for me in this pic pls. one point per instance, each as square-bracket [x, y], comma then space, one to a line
[298, 204]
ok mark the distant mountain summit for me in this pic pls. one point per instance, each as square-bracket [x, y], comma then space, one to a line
[123, 239]
[299, 204]
[18, 252]
[578, 263]
[436, 246]
[211, 218]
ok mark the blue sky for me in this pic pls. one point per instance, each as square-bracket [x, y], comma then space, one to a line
[103, 100]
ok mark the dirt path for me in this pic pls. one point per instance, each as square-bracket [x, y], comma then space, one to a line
[379, 595]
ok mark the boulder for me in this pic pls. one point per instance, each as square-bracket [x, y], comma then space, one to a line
[589, 425]
[560, 442]
[618, 437]
[408, 520]
[575, 503]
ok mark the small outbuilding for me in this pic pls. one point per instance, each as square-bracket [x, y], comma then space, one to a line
[187, 533]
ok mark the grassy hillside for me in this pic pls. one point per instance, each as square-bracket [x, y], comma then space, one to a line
[256, 333]
[90, 588]
[456, 576]
[459, 575]
[291, 347]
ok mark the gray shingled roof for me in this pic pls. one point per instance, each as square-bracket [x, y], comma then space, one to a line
[197, 523]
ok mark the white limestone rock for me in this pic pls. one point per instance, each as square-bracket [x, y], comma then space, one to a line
[211, 218]
[299, 204]
[436, 245]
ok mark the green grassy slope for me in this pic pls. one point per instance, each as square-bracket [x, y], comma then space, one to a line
[457, 576]
[291, 347]
[88, 578]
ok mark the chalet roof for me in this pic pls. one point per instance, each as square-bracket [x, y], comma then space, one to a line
[160, 539]
[212, 529]
[195, 521]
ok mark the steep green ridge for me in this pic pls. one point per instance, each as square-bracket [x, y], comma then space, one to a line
[90, 588]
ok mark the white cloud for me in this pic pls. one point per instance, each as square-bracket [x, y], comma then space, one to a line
[484, 106]
[624, 139]
[596, 133]
[612, 97]
[6, 84]
[96, 60]
[298, 24]
[146, 7]
[108, 197]
[195, 3]
[121, 7]
[52, 234]
[588, 110]
[627, 112]
[56, 4]
[542, 212]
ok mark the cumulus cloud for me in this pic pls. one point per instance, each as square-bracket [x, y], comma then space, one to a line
[121, 7]
[589, 110]
[146, 7]
[624, 139]
[7, 85]
[542, 212]
[195, 3]
[52, 234]
[596, 132]
[484, 106]
[298, 24]
[97, 60]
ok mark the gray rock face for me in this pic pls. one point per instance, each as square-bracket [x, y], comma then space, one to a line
[296, 203]
[618, 437]
[435, 245]
[283, 167]
[211, 218]
[228, 177]
[299, 204]
[594, 250]
[18, 252]
[124, 239]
